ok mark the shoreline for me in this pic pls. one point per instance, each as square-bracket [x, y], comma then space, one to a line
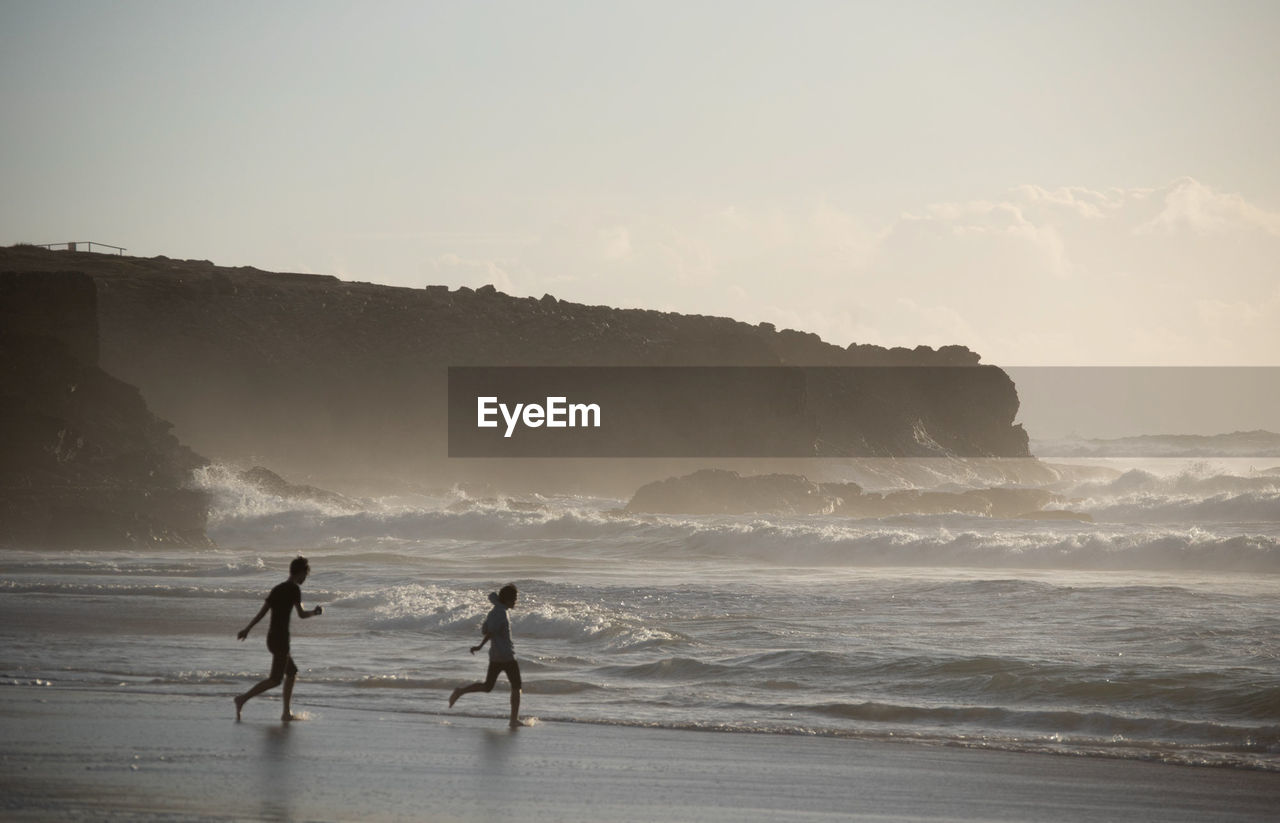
[120, 755]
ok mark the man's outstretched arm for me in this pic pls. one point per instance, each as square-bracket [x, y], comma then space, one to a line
[266, 607]
[305, 614]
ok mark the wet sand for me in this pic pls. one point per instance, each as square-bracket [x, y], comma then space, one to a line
[119, 754]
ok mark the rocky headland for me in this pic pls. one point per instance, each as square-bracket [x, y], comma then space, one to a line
[343, 384]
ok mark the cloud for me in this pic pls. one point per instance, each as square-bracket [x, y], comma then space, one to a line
[1188, 204]
[613, 243]
[1084, 202]
[1175, 275]
[1179, 274]
[445, 238]
[728, 259]
[972, 216]
[1222, 323]
[996, 231]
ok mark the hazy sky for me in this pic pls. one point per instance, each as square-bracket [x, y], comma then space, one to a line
[1048, 183]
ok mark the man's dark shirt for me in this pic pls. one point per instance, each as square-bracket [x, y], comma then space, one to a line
[282, 600]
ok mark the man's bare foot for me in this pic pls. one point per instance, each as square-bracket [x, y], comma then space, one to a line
[453, 698]
[515, 724]
[286, 717]
[239, 701]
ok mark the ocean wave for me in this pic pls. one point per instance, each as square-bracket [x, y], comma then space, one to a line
[1246, 748]
[440, 609]
[1250, 507]
[941, 540]
[1074, 546]
[119, 589]
[610, 628]
[1198, 481]
[194, 564]
[677, 669]
[539, 686]
[1095, 727]
[302, 528]
[348, 684]
[1201, 495]
[417, 607]
[1235, 695]
[394, 682]
[236, 498]
[1247, 444]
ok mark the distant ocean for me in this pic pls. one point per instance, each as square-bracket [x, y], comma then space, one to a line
[1152, 633]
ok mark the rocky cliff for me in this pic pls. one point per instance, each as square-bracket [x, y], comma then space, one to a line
[83, 462]
[330, 380]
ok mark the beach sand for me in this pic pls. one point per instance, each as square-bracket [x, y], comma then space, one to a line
[118, 754]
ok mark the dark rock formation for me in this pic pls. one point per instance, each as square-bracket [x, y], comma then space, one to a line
[337, 381]
[83, 463]
[268, 482]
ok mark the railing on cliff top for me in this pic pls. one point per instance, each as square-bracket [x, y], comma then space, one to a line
[75, 245]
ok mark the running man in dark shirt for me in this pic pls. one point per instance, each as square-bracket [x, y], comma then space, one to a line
[283, 599]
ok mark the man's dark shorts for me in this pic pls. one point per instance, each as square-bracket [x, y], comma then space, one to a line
[281, 662]
[511, 667]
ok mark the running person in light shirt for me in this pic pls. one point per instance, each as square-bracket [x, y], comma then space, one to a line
[502, 652]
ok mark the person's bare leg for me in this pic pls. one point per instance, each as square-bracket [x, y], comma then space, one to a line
[515, 708]
[261, 687]
[288, 696]
[461, 690]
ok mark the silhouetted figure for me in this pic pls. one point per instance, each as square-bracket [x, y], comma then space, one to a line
[283, 599]
[502, 652]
